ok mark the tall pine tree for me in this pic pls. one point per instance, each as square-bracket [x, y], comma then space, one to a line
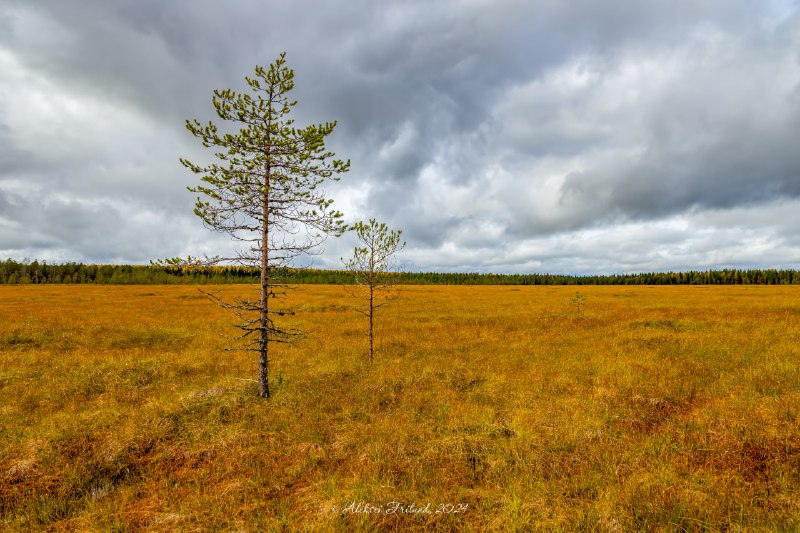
[264, 190]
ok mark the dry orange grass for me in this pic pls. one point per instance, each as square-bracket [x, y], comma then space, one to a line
[668, 408]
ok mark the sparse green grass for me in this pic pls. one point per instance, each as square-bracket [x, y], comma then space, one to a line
[668, 408]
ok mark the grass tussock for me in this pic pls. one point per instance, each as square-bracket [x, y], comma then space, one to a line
[670, 408]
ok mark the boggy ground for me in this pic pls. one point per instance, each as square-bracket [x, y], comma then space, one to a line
[523, 408]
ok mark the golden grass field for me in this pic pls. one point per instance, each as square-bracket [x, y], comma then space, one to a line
[648, 408]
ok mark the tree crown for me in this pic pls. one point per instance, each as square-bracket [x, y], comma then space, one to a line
[267, 162]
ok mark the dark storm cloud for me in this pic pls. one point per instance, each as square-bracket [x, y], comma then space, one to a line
[489, 131]
[11, 159]
[719, 136]
[78, 223]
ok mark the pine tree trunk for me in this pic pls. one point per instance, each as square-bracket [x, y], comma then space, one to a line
[371, 314]
[263, 339]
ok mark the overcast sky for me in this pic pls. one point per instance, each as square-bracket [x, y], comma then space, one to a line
[585, 136]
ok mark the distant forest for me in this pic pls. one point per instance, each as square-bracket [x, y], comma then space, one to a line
[35, 272]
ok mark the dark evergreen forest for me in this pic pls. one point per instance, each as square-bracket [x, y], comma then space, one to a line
[36, 272]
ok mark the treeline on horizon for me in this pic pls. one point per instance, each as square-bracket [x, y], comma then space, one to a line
[36, 272]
